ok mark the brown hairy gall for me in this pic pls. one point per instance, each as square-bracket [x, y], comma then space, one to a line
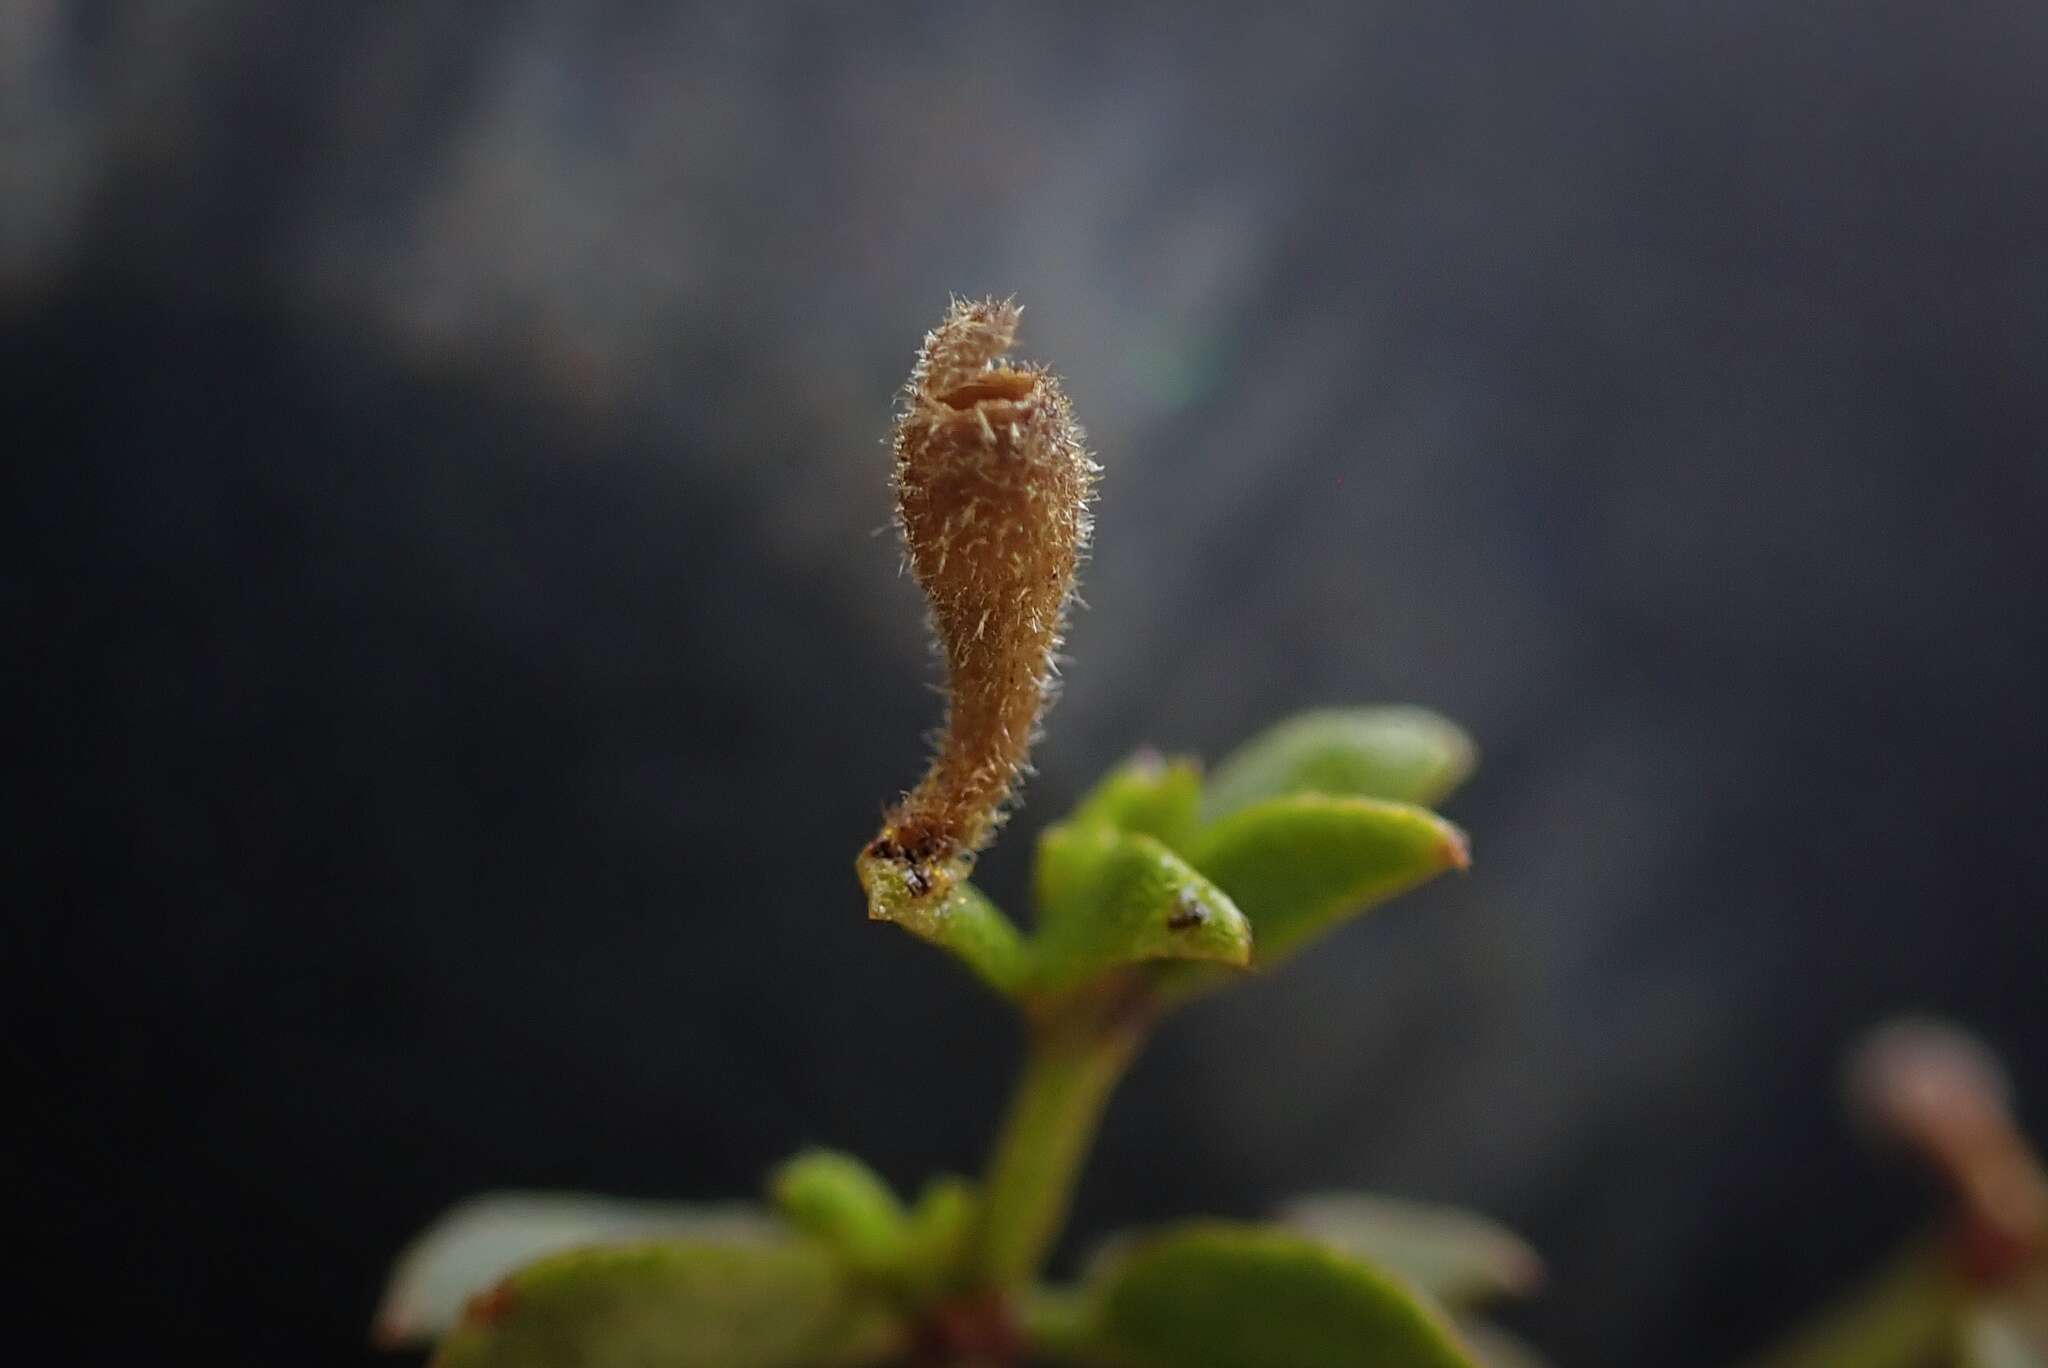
[992, 488]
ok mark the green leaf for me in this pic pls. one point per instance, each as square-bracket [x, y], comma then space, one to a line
[1299, 865]
[964, 923]
[1406, 755]
[481, 1240]
[840, 1200]
[1216, 1295]
[676, 1304]
[913, 1254]
[1456, 1256]
[1108, 898]
[1148, 795]
[935, 1246]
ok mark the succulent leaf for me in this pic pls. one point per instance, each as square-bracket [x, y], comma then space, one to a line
[1109, 898]
[479, 1241]
[1404, 754]
[1218, 1295]
[841, 1201]
[1149, 795]
[1301, 864]
[1458, 1257]
[681, 1304]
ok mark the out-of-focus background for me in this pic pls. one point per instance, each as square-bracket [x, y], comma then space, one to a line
[451, 662]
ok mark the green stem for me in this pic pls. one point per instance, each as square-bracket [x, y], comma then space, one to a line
[1069, 1069]
[1908, 1313]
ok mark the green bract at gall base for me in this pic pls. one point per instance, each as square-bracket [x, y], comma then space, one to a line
[1155, 887]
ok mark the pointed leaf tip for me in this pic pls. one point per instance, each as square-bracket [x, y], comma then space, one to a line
[1301, 864]
[1149, 795]
[1454, 847]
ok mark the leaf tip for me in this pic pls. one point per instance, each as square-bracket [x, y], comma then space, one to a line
[1228, 943]
[1147, 761]
[489, 1306]
[1454, 847]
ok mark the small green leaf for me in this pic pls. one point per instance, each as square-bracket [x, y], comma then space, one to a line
[941, 1224]
[840, 1200]
[1299, 865]
[1406, 755]
[481, 1240]
[1216, 1295]
[1108, 898]
[963, 922]
[678, 1304]
[1456, 1256]
[1149, 795]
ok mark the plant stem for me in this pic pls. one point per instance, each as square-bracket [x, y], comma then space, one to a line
[1910, 1312]
[1071, 1064]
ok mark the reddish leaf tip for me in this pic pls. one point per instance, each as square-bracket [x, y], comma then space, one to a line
[489, 1306]
[1454, 848]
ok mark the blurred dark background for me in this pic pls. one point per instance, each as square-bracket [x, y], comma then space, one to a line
[451, 669]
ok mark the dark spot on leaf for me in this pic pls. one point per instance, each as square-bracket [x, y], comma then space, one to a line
[1188, 912]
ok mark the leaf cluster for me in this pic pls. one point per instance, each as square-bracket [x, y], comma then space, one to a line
[1157, 887]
